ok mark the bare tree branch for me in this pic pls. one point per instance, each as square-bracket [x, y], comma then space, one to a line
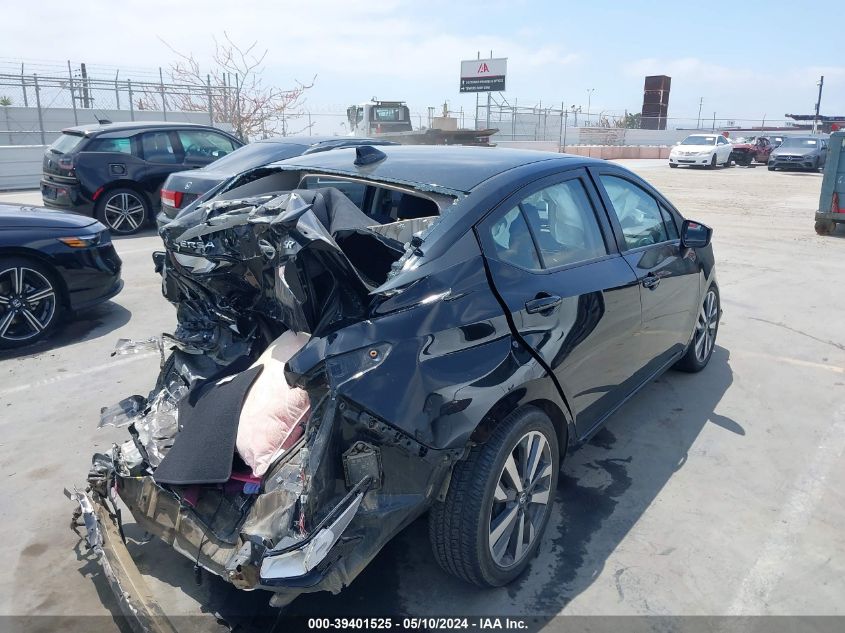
[234, 90]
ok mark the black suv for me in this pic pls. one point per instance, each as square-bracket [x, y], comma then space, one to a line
[115, 171]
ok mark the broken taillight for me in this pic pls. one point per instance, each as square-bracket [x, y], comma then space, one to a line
[171, 198]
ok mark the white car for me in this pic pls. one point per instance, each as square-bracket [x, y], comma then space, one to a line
[701, 149]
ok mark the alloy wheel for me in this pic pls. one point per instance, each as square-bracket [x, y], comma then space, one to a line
[27, 303]
[521, 499]
[705, 327]
[124, 212]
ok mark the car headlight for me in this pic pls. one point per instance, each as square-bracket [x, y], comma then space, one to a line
[81, 241]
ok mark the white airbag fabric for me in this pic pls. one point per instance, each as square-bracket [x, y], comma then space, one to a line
[272, 413]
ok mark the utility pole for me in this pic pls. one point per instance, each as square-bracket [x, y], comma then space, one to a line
[700, 103]
[818, 106]
[590, 92]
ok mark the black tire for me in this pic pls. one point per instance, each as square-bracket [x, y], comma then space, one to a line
[461, 526]
[712, 164]
[30, 301]
[673, 165]
[124, 211]
[693, 360]
[825, 227]
[771, 167]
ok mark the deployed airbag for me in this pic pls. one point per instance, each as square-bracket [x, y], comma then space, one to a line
[270, 421]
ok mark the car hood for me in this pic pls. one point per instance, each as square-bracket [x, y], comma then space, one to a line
[694, 148]
[794, 151]
[15, 216]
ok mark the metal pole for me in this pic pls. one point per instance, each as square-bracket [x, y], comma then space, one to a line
[700, 103]
[72, 94]
[565, 125]
[238, 105]
[714, 122]
[818, 106]
[131, 101]
[210, 100]
[116, 90]
[163, 102]
[513, 120]
[309, 123]
[23, 89]
[560, 131]
[86, 97]
[487, 126]
[38, 105]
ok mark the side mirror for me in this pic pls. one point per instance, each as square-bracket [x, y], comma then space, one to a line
[695, 234]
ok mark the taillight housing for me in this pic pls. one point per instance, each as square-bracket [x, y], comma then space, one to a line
[834, 204]
[172, 198]
[66, 162]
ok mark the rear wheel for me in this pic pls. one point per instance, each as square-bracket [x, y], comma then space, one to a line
[124, 211]
[29, 302]
[704, 338]
[499, 501]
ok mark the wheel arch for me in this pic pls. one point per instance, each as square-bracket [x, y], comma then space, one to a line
[134, 185]
[29, 253]
[546, 399]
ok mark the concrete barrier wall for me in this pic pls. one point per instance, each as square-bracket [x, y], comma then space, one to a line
[20, 166]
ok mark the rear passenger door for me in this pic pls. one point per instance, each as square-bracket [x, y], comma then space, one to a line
[570, 295]
[163, 156]
[648, 234]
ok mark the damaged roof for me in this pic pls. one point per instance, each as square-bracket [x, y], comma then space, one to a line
[456, 168]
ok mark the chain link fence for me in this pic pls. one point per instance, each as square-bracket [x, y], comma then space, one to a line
[34, 108]
[573, 125]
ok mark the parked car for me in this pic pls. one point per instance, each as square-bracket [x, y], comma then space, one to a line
[114, 171]
[831, 209]
[182, 188]
[444, 362]
[748, 149]
[707, 150]
[799, 152]
[52, 263]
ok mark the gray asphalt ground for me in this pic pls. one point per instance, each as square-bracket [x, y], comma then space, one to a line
[710, 494]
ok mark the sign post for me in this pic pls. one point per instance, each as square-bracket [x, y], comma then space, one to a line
[483, 75]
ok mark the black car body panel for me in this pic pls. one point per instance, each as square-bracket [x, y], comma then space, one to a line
[415, 352]
[87, 275]
[75, 179]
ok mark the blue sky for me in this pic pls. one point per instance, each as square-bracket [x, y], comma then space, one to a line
[746, 59]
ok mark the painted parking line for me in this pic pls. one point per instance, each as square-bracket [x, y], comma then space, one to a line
[71, 375]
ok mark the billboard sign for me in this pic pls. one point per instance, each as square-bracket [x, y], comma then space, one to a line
[484, 75]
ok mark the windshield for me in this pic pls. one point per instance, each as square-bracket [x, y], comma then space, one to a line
[65, 143]
[699, 140]
[394, 114]
[256, 155]
[800, 142]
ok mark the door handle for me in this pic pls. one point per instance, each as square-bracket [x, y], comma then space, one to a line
[543, 304]
[650, 281]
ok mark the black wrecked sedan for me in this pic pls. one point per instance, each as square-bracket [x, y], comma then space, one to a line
[340, 369]
[51, 263]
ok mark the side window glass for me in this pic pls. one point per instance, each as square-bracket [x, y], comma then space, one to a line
[637, 212]
[671, 225]
[157, 148]
[512, 241]
[118, 145]
[564, 224]
[203, 144]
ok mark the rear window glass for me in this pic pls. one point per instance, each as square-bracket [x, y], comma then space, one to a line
[257, 155]
[120, 145]
[66, 142]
